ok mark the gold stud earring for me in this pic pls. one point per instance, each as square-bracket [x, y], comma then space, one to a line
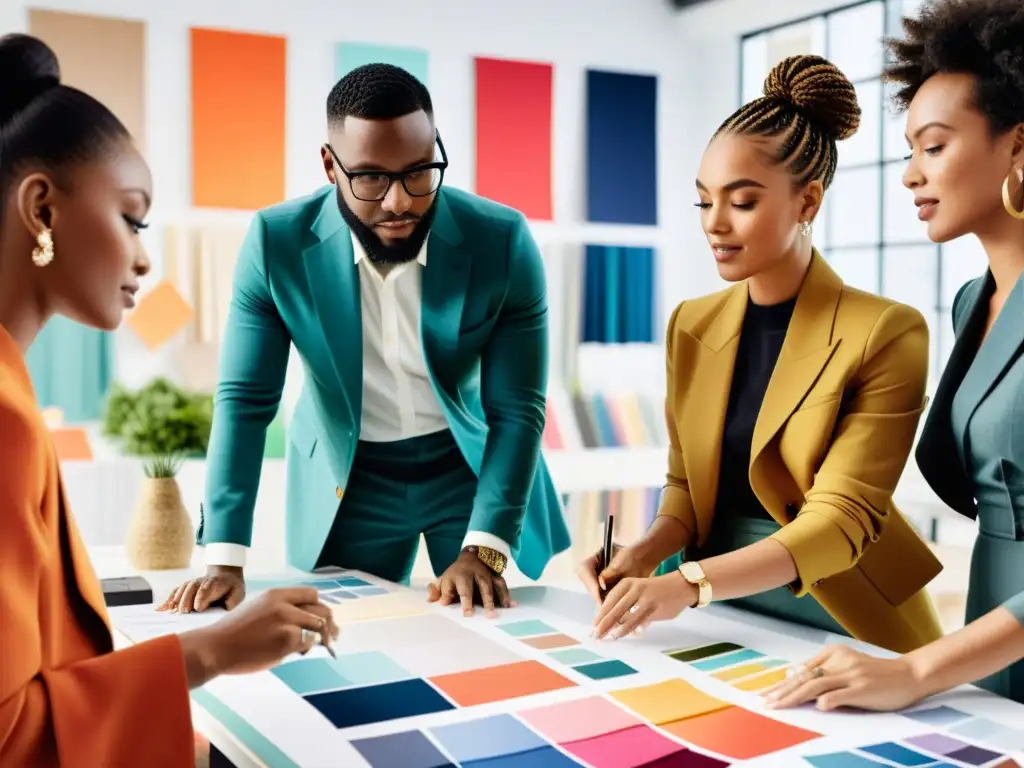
[1007, 202]
[805, 228]
[42, 254]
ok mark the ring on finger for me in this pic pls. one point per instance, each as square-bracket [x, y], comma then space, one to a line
[633, 609]
[308, 635]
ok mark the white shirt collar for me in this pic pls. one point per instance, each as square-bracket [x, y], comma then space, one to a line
[359, 253]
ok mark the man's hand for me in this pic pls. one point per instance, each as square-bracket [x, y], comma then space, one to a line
[469, 580]
[222, 584]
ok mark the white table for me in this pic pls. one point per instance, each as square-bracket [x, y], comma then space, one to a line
[744, 627]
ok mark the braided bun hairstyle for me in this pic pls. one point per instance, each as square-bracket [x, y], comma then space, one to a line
[42, 122]
[810, 105]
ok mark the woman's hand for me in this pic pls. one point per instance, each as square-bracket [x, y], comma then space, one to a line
[842, 677]
[626, 562]
[634, 603]
[258, 634]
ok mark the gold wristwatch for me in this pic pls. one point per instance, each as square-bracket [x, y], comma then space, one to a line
[694, 574]
[492, 558]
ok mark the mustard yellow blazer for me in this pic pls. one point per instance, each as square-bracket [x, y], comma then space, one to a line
[834, 433]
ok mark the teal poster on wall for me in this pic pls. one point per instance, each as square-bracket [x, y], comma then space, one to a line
[352, 55]
[71, 368]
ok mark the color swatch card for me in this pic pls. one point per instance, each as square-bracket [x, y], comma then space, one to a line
[411, 684]
[743, 668]
[562, 649]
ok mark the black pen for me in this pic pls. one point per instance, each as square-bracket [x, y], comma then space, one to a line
[606, 554]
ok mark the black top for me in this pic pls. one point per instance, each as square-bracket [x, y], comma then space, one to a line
[764, 330]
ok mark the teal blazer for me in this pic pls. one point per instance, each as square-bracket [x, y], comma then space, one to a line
[990, 377]
[485, 337]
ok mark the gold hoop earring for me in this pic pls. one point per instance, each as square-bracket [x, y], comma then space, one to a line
[1007, 202]
[42, 254]
[805, 228]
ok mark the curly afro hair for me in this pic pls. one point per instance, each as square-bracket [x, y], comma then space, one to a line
[377, 92]
[982, 38]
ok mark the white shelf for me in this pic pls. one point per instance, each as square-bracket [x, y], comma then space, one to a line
[607, 469]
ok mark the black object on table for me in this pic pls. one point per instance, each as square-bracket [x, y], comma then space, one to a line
[127, 590]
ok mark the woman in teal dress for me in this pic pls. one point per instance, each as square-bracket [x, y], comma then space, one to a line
[960, 74]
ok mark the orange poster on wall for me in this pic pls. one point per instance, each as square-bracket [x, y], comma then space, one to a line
[238, 119]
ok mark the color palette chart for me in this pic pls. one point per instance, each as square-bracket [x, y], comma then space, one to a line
[704, 721]
[415, 685]
[353, 598]
[563, 649]
[665, 724]
[592, 731]
[928, 750]
[743, 668]
[432, 664]
[980, 730]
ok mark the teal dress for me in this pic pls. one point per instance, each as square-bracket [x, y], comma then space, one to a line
[972, 454]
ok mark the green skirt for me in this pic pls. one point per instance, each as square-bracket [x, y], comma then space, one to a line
[779, 603]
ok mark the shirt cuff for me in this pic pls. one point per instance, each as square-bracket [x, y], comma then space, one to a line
[222, 553]
[489, 540]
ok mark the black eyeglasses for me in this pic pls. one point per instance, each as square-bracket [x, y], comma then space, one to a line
[418, 181]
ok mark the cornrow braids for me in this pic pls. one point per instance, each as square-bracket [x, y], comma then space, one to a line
[981, 38]
[810, 105]
[377, 92]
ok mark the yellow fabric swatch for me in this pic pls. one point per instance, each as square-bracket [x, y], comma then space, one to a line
[668, 701]
[735, 673]
[762, 681]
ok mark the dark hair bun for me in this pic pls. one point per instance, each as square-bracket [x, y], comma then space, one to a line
[817, 88]
[29, 68]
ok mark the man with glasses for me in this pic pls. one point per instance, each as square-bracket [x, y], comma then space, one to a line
[420, 316]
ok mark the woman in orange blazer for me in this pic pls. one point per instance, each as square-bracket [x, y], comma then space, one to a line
[73, 194]
[792, 403]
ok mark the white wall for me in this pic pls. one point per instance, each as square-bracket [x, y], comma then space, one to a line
[637, 36]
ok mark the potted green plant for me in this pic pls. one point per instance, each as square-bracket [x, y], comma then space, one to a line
[160, 534]
[158, 420]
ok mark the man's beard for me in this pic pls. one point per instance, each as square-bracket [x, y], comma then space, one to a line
[398, 252]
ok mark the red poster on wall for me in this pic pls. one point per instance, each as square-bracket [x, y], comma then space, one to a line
[514, 134]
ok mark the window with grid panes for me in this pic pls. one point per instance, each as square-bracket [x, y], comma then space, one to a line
[867, 227]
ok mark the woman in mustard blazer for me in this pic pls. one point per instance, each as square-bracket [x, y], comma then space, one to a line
[792, 403]
[73, 193]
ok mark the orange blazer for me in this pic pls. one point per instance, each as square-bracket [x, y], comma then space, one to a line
[66, 697]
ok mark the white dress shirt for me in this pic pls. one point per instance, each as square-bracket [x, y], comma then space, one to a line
[398, 399]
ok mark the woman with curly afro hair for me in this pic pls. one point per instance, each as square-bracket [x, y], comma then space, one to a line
[959, 70]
